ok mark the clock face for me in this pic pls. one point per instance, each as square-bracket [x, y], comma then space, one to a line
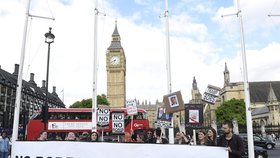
[114, 60]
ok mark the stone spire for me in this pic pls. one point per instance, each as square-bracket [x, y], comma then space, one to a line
[116, 32]
[226, 76]
[116, 39]
[271, 95]
[194, 84]
[196, 95]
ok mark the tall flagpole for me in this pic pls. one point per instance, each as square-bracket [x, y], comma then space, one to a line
[168, 67]
[250, 141]
[94, 88]
[19, 81]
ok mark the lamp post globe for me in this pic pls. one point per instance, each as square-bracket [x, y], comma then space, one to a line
[49, 38]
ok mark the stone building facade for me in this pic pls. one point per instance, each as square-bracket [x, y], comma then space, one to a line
[151, 112]
[32, 98]
[264, 98]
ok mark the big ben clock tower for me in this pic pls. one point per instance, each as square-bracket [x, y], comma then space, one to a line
[116, 71]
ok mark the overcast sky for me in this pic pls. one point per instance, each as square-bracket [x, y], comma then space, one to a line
[201, 41]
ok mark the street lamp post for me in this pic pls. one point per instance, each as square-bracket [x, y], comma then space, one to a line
[49, 38]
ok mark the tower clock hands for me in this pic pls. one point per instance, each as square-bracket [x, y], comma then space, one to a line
[114, 60]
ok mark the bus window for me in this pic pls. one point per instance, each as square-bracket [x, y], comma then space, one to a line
[85, 116]
[52, 116]
[70, 116]
[145, 115]
[139, 116]
[127, 117]
[61, 116]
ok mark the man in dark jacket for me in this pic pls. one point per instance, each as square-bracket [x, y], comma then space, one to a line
[149, 136]
[233, 142]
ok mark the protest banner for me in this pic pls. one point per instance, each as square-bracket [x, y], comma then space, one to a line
[131, 107]
[211, 93]
[118, 123]
[173, 102]
[103, 118]
[61, 149]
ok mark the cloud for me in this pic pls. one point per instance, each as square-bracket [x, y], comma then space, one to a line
[199, 46]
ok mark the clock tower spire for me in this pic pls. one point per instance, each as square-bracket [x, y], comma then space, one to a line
[116, 71]
[226, 76]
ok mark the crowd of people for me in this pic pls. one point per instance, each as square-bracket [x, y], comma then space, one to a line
[209, 137]
[150, 136]
[70, 136]
[232, 142]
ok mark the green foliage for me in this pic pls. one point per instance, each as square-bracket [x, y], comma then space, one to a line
[87, 103]
[232, 109]
[102, 100]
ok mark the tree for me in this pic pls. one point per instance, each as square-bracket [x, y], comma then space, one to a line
[87, 103]
[232, 109]
[102, 100]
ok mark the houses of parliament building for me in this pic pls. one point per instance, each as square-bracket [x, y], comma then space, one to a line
[264, 98]
[32, 98]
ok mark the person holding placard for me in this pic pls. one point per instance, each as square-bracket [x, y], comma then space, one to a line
[159, 138]
[181, 138]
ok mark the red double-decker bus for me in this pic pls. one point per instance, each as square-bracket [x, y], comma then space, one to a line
[63, 120]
